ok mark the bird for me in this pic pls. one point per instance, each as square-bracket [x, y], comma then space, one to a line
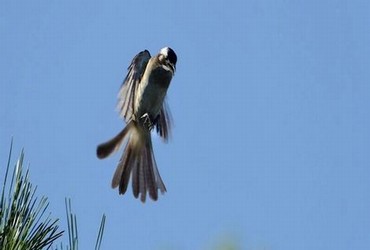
[143, 106]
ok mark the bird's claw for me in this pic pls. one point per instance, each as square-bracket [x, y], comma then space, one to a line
[147, 121]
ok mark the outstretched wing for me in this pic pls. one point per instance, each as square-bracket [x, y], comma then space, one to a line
[127, 92]
[164, 123]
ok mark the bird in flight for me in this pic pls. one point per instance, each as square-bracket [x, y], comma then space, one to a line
[142, 104]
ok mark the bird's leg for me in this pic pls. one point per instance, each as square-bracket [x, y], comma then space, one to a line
[147, 121]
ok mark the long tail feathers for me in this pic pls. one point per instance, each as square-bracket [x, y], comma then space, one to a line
[137, 160]
[107, 148]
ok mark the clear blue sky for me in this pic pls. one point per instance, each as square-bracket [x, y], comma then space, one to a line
[271, 108]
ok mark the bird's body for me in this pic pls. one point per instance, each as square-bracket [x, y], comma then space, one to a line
[152, 90]
[142, 105]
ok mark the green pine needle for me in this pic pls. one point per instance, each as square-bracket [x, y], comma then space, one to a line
[23, 221]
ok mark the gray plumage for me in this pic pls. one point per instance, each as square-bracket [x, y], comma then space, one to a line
[141, 103]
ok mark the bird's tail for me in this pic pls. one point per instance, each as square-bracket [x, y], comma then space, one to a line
[137, 160]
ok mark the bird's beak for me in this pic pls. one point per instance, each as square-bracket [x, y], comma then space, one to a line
[173, 67]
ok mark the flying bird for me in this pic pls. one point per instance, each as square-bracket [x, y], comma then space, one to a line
[142, 104]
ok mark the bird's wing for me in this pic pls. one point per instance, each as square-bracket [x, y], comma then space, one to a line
[126, 95]
[164, 123]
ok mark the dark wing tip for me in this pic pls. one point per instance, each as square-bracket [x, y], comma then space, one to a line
[102, 151]
[165, 122]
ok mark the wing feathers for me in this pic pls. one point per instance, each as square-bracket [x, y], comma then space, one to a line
[129, 86]
[164, 123]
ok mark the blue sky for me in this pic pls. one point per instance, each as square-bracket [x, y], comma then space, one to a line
[271, 108]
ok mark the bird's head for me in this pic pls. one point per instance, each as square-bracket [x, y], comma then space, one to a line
[168, 58]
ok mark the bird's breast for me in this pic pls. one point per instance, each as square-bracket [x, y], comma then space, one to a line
[152, 91]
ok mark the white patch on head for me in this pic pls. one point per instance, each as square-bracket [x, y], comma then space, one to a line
[164, 51]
